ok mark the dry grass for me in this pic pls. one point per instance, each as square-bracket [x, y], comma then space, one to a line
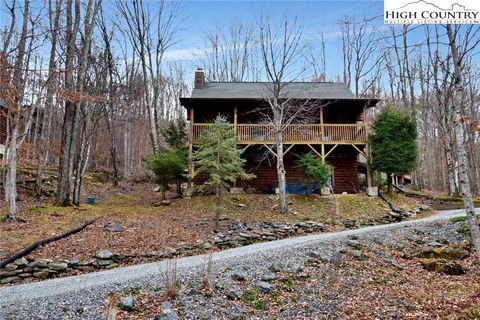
[169, 277]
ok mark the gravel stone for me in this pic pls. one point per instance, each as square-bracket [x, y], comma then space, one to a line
[263, 286]
[276, 267]
[127, 303]
[268, 277]
[239, 276]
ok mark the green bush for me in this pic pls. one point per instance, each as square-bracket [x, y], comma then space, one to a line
[316, 173]
[167, 165]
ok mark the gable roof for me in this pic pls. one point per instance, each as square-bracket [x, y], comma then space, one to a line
[260, 90]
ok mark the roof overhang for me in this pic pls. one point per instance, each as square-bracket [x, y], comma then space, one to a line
[187, 103]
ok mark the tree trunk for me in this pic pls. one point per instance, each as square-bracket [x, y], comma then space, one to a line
[217, 208]
[389, 183]
[11, 187]
[458, 100]
[113, 146]
[281, 173]
[126, 149]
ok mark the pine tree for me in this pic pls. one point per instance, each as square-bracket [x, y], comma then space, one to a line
[219, 160]
[393, 144]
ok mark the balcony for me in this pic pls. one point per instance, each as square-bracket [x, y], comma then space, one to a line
[293, 134]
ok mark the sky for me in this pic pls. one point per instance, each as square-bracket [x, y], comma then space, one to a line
[201, 17]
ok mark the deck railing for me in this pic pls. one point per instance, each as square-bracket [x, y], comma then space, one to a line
[293, 134]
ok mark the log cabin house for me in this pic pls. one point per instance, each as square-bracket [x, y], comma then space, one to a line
[336, 130]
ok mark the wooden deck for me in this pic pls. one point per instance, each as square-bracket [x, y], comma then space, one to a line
[294, 134]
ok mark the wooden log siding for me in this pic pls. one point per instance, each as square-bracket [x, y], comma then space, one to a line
[294, 133]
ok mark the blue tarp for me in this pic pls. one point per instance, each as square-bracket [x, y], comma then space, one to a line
[296, 188]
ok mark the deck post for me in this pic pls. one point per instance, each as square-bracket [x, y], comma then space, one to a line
[367, 150]
[190, 149]
[322, 132]
[235, 120]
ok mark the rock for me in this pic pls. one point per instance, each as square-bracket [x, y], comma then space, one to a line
[207, 246]
[127, 303]
[59, 266]
[444, 253]
[157, 189]
[73, 262]
[25, 275]
[275, 267]
[167, 312]
[113, 227]
[325, 191]
[21, 263]
[263, 286]
[43, 263]
[87, 262]
[10, 280]
[303, 275]
[268, 277]
[443, 266]
[300, 231]
[6, 274]
[162, 203]
[425, 207]
[357, 255]
[434, 244]
[104, 262]
[233, 294]
[239, 276]
[350, 224]
[336, 258]
[236, 313]
[104, 254]
[237, 190]
[41, 274]
[319, 256]
[10, 267]
[354, 244]
[241, 205]
[297, 268]
[169, 252]
[3, 254]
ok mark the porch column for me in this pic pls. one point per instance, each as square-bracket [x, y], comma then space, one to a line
[235, 120]
[191, 167]
[322, 132]
[367, 150]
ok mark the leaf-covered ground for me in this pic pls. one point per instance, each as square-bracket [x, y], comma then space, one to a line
[149, 228]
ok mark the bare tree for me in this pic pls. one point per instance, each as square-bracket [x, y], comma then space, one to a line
[12, 87]
[151, 31]
[459, 52]
[281, 47]
[231, 55]
[73, 89]
[362, 56]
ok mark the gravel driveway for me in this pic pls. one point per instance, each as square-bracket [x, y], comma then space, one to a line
[59, 298]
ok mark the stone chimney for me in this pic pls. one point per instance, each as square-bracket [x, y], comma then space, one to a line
[199, 81]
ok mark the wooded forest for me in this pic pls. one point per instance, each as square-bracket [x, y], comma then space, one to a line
[87, 88]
